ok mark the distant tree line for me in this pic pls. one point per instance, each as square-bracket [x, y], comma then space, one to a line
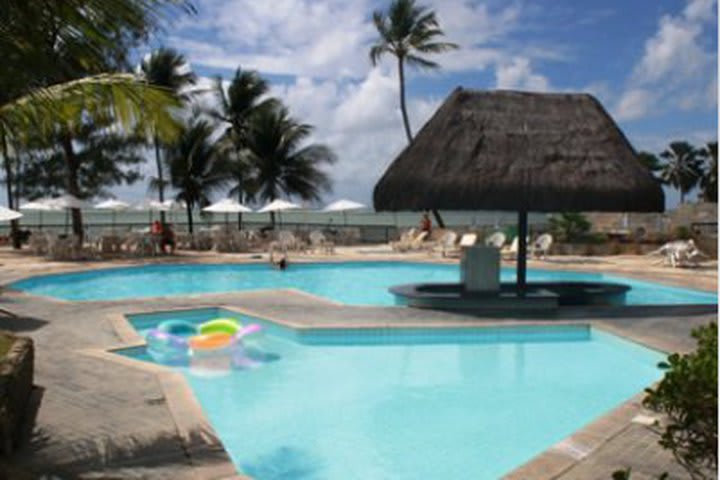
[685, 167]
[78, 117]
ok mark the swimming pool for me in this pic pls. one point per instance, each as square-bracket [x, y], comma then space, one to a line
[452, 403]
[352, 283]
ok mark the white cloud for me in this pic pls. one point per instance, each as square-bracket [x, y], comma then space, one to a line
[331, 38]
[675, 66]
[634, 104]
[360, 120]
[517, 74]
[673, 52]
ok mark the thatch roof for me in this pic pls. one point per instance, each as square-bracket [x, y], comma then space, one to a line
[505, 150]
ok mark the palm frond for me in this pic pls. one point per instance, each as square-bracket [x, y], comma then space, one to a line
[419, 62]
[128, 99]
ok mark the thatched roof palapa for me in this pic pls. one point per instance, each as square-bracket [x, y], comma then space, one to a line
[506, 150]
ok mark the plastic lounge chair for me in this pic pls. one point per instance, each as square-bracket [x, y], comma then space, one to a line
[467, 240]
[404, 241]
[417, 242]
[446, 243]
[541, 246]
[496, 240]
[318, 242]
[680, 253]
[511, 251]
[38, 244]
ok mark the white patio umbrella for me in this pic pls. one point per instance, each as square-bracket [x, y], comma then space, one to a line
[343, 206]
[114, 206]
[278, 206]
[227, 206]
[170, 205]
[66, 202]
[7, 215]
[40, 206]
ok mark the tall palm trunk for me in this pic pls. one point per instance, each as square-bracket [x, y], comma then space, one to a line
[188, 208]
[406, 123]
[14, 225]
[161, 180]
[403, 108]
[73, 187]
[240, 200]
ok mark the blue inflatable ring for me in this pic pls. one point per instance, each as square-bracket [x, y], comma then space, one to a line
[177, 327]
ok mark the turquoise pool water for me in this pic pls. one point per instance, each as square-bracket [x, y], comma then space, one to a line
[354, 283]
[450, 404]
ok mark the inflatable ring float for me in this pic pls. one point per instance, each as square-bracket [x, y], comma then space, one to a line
[210, 341]
[164, 342]
[220, 325]
[177, 327]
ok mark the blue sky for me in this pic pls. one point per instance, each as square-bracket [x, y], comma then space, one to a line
[653, 64]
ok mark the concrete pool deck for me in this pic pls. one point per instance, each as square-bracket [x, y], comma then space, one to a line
[102, 415]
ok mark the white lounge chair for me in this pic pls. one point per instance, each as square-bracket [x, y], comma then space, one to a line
[541, 246]
[496, 240]
[467, 240]
[446, 243]
[680, 253]
[416, 243]
[404, 241]
[510, 252]
[318, 242]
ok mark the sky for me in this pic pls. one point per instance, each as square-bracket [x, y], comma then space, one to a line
[652, 64]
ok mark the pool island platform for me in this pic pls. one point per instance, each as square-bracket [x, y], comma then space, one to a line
[100, 416]
[540, 297]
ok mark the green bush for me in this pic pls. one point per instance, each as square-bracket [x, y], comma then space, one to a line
[688, 396]
[569, 227]
[682, 233]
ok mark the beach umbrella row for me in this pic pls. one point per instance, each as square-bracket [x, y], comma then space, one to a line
[226, 206]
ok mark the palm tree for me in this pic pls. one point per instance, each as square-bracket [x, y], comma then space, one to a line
[107, 157]
[62, 109]
[282, 165]
[682, 167]
[708, 182]
[408, 32]
[55, 54]
[236, 105]
[168, 69]
[195, 168]
[651, 161]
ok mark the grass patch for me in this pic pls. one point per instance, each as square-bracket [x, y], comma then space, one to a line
[5, 344]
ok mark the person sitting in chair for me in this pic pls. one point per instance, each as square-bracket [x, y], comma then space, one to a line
[168, 239]
[426, 223]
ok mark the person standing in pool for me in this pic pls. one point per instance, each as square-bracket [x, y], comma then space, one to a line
[281, 263]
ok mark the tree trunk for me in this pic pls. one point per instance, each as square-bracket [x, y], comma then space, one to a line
[161, 180]
[188, 207]
[73, 187]
[406, 124]
[403, 108]
[240, 199]
[14, 224]
[272, 219]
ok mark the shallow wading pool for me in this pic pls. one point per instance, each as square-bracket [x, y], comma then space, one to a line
[449, 403]
[353, 283]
